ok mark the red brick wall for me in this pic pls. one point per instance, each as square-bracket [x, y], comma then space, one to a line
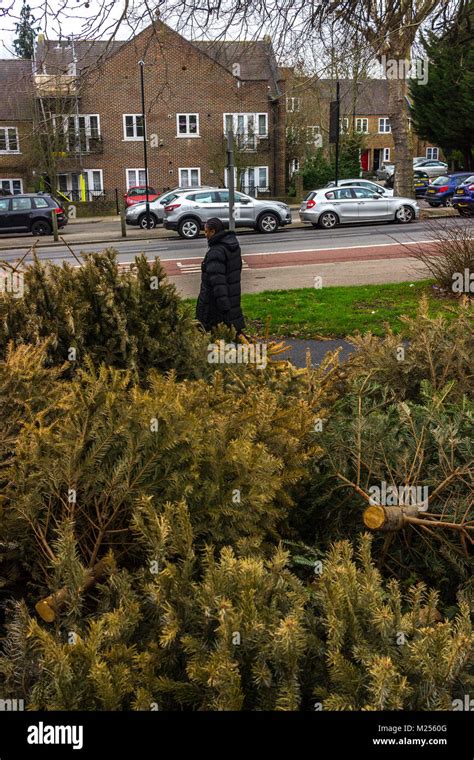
[178, 79]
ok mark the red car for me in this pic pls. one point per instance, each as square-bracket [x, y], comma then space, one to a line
[138, 195]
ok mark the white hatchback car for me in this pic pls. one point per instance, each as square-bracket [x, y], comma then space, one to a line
[384, 191]
[348, 205]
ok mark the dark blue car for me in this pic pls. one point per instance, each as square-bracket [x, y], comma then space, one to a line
[463, 198]
[442, 189]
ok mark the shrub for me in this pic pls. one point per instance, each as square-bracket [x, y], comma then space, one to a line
[452, 258]
[129, 320]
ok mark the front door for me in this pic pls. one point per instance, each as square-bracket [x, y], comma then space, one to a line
[378, 158]
[364, 160]
[345, 205]
[19, 215]
[370, 208]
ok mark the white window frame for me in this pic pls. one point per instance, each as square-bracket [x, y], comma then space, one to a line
[293, 166]
[7, 141]
[344, 125]
[90, 182]
[136, 183]
[313, 133]
[244, 178]
[11, 180]
[386, 154]
[363, 122]
[189, 169]
[88, 130]
[245, 115]
[293, 104]
[432, 153]
[135, 138]
[384, 125]
[187, 133]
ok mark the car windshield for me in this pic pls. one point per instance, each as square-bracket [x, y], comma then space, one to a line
[310, 196]
[469, 180]
[441, 181]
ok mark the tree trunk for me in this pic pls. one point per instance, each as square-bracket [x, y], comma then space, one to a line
[397, 90]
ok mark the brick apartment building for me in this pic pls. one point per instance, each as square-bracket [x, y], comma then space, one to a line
[364, 109]
[89, 93]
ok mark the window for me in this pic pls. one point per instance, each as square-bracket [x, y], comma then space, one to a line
[293, 104]
[384, 125]
[13, 186]
[135, 177]
[9, 140]
[313, 135]
[4, 203]
[41, 203]
[344, 124]
[294, 166]
[386, 154]
[362, 192]
[132, 126]
[432, 153]
[254, 179]
[362, 125]
[207, 197]
[81, 130]
[247, 128]
[344, 194]
[21, 204]
[93, 182]
[189, 177]
[187, 125]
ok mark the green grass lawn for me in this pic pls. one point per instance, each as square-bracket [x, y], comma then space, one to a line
[338, 311]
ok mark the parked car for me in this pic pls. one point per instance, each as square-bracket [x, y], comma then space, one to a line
[347, 205]
[418, 159]
[420, 182]
[441, 190]
[463, 198]
[388, 193]
[30, 212]
[138, 194]
[385, 171]
[432, 167]
[136, 215]
[188, 212]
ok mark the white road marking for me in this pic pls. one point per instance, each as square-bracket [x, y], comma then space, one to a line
[305, 250]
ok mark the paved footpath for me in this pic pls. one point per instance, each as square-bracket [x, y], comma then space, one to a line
[318, 350]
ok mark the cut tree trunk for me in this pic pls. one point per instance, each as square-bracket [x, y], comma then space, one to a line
[49, 607]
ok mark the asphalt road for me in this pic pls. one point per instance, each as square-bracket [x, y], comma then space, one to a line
[286, 241]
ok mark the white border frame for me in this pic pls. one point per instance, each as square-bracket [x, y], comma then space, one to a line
[189, 169]
[187, 134]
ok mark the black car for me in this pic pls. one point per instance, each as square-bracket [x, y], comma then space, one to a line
[30, 212]
[420, 182]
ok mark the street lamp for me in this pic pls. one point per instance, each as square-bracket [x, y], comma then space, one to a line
[145, 156]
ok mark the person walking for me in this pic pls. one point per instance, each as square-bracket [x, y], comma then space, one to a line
[219, 296]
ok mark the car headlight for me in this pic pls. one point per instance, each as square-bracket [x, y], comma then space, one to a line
[284, 206]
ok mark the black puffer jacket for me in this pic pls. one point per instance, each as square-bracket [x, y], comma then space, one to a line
[219, 297]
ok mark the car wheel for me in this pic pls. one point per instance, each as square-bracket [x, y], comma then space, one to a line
[189, 229]
[41, 227]
[448, 202]
[267, 222]
[143, 224]
[328, 220]
[404, 214]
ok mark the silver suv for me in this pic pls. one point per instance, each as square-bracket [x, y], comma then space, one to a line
[188, 212]
[136, 215]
